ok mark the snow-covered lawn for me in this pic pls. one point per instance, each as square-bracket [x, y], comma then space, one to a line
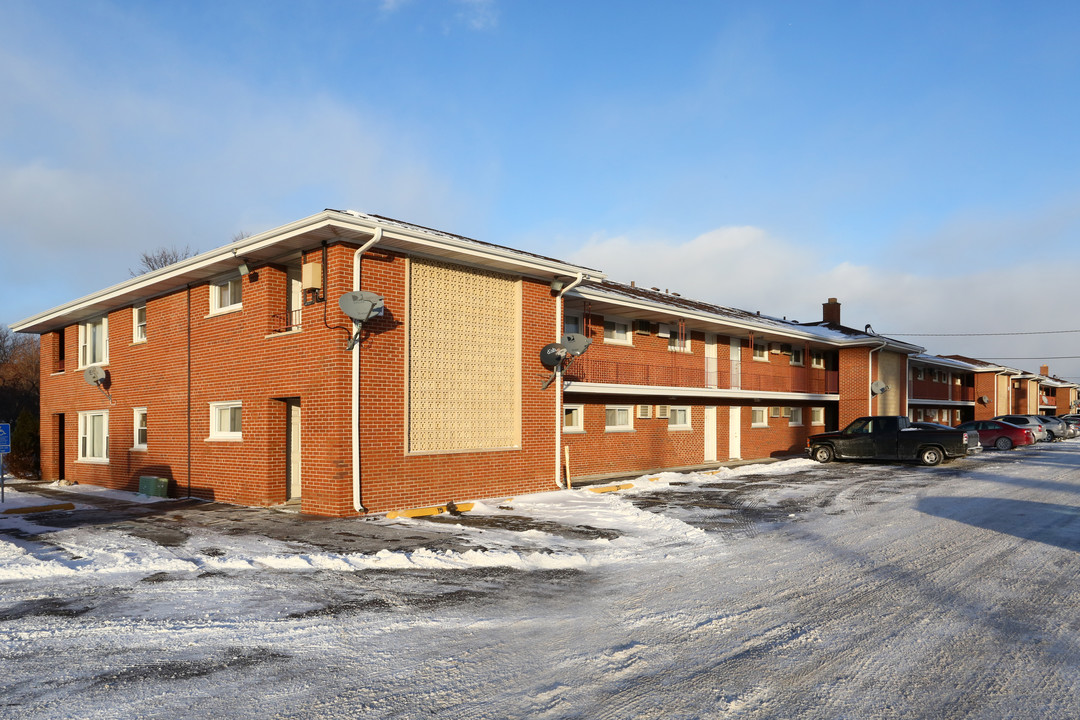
[790, 590]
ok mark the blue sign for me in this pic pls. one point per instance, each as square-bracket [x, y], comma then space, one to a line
[5, 438]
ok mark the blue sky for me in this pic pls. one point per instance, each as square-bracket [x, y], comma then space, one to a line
[917, 160]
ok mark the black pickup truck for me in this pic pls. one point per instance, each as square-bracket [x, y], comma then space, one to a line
[887, 437]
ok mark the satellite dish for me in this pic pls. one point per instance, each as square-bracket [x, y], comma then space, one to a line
[984, 399]
[576, 344]
[552, 355]
[361, 305]
[877, 387]
[94, 375]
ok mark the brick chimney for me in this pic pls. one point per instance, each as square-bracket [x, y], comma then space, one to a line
[1044, 370]
[830, 311]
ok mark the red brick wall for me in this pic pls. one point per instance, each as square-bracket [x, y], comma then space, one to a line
[854, 384]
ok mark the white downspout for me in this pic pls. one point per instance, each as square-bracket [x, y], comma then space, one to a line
[558, 376]
[870, 371]
[357, 505]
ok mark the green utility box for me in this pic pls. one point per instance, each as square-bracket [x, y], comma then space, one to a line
[156, 486]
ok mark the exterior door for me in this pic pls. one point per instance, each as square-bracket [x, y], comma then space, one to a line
[735, 433]
[292, 450]
[710, 361]
[61, 443]
[736, 364]
[710, 434]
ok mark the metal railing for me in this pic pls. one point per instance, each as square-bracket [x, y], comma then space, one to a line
[285, 321]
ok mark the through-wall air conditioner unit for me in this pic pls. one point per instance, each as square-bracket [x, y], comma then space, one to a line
[642, 327]
[644, 412]
[775, 348]
[663, 330]
[785, 349]
[663, 412]
[785, 412]
[774, 412]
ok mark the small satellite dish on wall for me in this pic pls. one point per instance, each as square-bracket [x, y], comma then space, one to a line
[984, 399]
[94, 375]
[361, 305]
[877, 387]
[576, 344]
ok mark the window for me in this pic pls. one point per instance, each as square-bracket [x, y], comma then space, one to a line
[618, 418]
[617, 331]
[918, 373]
[676, 345]
[94, 342]
[817, 416]
[225, 296]
[573, 420]
[761, 352]
[679, 417]
[774, 412]
[796, 356]
[140, 429]
[138, 324]
[225, 420]
[758, 417]
[796, 416]
[94, 436]
[817, 359]
[571, 324]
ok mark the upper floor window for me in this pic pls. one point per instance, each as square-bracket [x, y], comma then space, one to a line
[918, 373]
[617, 331]
[138, 324]
[796, 356]
[571, 324]
[761, 351]
[817, 359]
[94, 342]
[226, 295]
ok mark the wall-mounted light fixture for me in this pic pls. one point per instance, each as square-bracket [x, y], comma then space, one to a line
[244, 269]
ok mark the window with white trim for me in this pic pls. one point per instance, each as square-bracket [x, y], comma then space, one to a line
[817, 359]
[140, 429]
[226, 295]
[761, 351]
[138, 324]
[94, 436]
[225, 420]
[572, 324]
[759, 417]
[573, 418]
[94, 342]
[618, 418]
[617, 331]
[918, 373]
[797, 356]
[796, 416]
[679, 417]
[817, 416]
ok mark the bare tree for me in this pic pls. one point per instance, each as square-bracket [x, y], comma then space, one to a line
[162, 257]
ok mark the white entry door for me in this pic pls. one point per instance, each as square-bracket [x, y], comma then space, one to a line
[736, 364]
[292, 451]
[735, 433]
[710, 434]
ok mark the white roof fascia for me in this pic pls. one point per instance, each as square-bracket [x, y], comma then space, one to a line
[656, 390]
[801, 332]
[944, 362]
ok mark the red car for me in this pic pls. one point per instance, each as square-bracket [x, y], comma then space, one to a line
[998, 434]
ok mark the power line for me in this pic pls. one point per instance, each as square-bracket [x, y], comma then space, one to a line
[1060, 357]
[1036, 332]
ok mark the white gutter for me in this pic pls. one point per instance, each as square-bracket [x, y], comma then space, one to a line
[558, 376]
[357, 505]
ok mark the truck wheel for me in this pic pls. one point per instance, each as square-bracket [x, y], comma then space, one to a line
[931, 456]
[1003, 443]
[822, 453]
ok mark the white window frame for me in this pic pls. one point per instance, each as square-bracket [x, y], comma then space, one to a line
[798, 357]
[796, 418]
[628, 427]
[138, 328]
[218, 295]
[684, 423]
[138, 414]
[578, 417]
[763, 356]
[216, 431]
[84, 421]
[613, 338]
[817, 416]
[671, 332]
[576, 318]
[85, 334]
[817, 359]
[919, 374]
[759, 417]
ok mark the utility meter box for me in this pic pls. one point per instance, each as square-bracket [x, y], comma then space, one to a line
[311, 277]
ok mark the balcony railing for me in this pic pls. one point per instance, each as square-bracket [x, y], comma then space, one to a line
[930, 390]
[285, 321]
[675, 370]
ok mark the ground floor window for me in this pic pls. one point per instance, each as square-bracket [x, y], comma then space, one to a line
[796, 416]
[679, 417]
[618, 418]
[225, 420]
[573, 420]
[94, 436]
[817, 416]
[140, 429]
[759, 417]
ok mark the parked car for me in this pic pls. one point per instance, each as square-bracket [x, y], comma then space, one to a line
[887, 437]
[1056, 428]
[974, 443]
[1074, 426]
[999, 434]
[1030, 422]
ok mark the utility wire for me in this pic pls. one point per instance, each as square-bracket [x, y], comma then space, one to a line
[1059, 357]
[1036, 332]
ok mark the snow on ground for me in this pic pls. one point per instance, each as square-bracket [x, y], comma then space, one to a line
[775, 591]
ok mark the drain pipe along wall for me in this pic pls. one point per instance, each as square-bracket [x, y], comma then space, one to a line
[558, 380]
[357, 504]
